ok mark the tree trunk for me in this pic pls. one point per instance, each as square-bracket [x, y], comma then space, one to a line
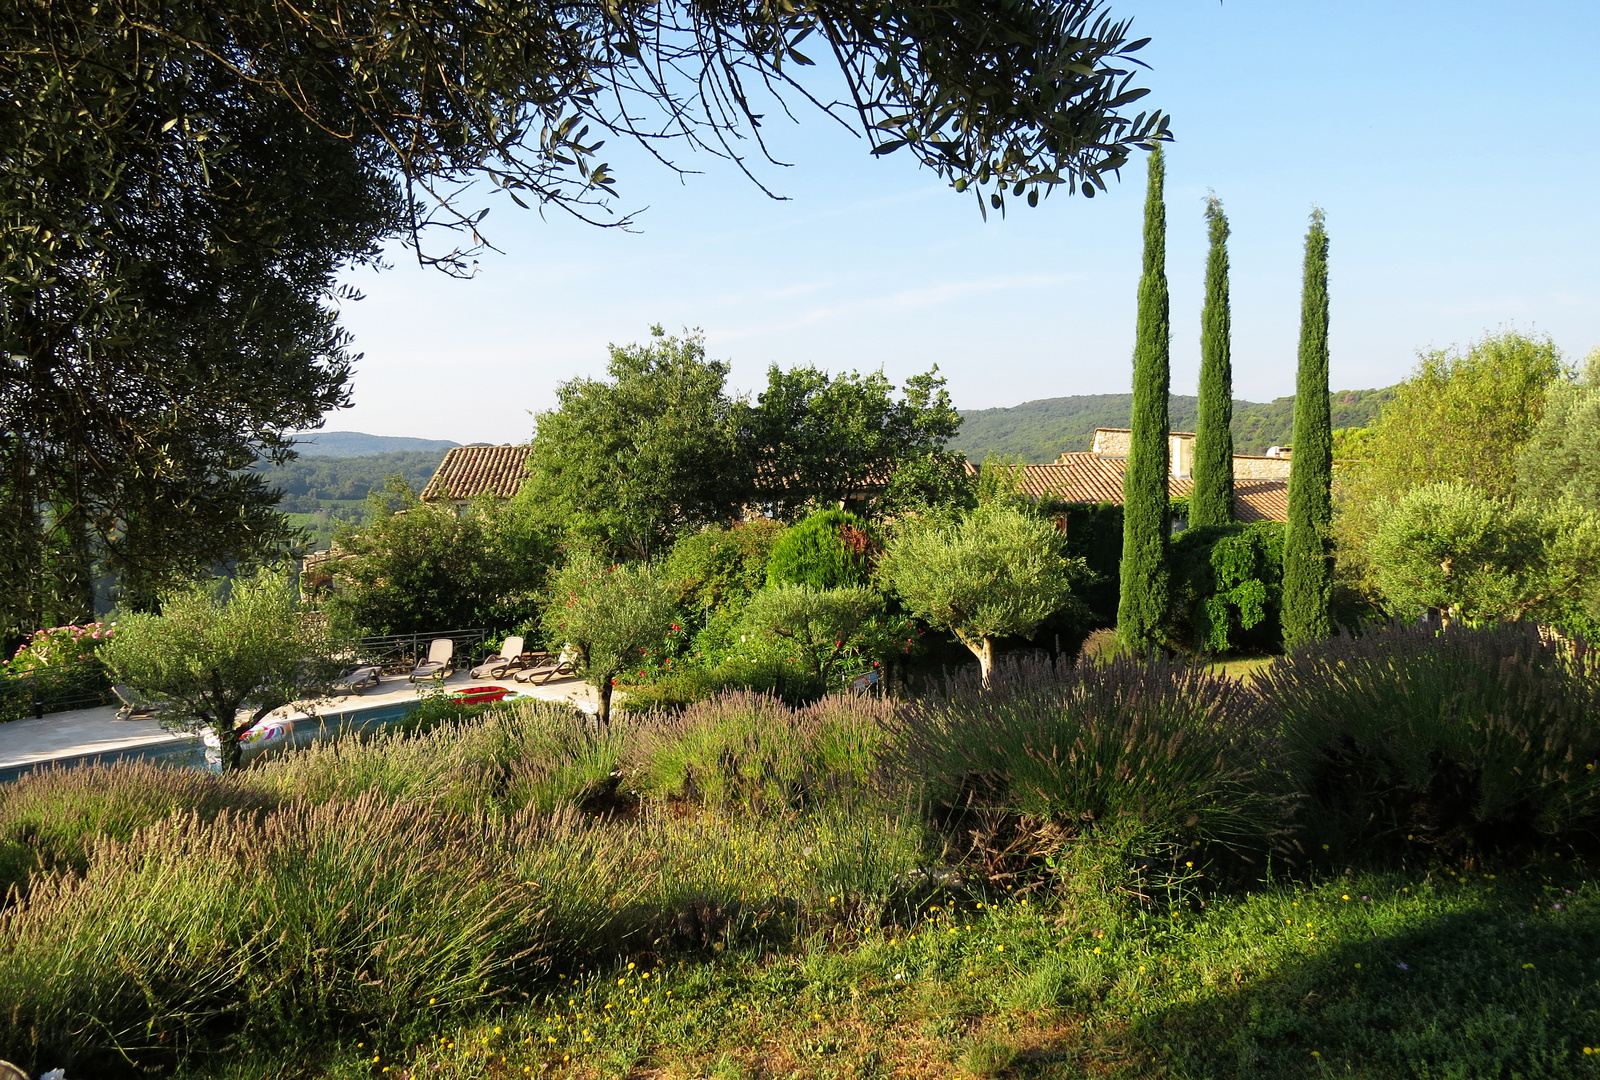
[604, 689]
[229, 753]
[985, 653]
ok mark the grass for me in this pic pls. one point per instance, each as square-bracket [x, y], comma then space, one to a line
[1436, 974]
[1242, 668]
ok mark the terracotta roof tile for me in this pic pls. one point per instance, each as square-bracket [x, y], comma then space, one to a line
[1094, 478]
[469, 471]
[1261, 500]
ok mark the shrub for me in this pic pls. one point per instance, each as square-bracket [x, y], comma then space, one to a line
[1464, 738]
[291, 928]
[719, 566]
[828, 549]
[49, 819]
[1152, 751]
[833, 635]
[1227, 583]
[750, 750]
[59, 647]
[512, 756]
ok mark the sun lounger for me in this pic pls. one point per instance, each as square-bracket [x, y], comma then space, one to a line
[499, 666]
[440, 662]
[546, 667]
[359, 680]
[131, 708]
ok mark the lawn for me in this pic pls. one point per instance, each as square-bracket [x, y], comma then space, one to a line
[1439, 973]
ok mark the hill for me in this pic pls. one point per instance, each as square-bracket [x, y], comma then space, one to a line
[344, 444]
[1037, 431]
[322, 491]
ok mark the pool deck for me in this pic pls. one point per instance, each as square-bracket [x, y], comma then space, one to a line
[82, 733]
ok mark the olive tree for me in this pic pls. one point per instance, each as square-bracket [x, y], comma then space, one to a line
[223, 656]
[1449, 547]
[605, 615]
[999, 572]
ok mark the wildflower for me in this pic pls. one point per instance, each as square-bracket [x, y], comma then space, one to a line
[1527, 967]
[1345, 897]
[1403, 967]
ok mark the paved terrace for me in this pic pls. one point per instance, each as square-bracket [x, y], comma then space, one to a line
[80, 735]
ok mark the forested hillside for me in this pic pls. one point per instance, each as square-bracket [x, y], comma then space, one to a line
[1037, 431]
[320, 493]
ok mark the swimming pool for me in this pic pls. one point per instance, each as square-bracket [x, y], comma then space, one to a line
[190, 753]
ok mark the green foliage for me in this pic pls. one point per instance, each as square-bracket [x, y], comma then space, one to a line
[1307, 550]
[1450, 547]
[749, 751]
[722, 566]
[1212, 501]
[934, 482]
[1468, 738]
[1459, 417]
[310, 482]
[1143, 602]
[828, 549]
[1131, 747]
[513, 756]
[998, 572]
[631, 462]
[816, 440]
[60, 647]
[608, 616]
[833, 634]
[1094, 534]
[219, 648]
[1227, 587]
[417, 568]
[49, 820]
[1561, 458]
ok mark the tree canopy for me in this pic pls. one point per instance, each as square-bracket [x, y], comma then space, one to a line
[1461, 416]
[998, 572]
[631, 462]
[1562, 456]
[220, 648]
[182, 180]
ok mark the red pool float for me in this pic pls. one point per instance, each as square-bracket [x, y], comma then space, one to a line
[482, 695]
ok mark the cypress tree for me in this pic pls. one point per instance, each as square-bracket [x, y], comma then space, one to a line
[1307, 562]
[1212, 500]
[1143, 603]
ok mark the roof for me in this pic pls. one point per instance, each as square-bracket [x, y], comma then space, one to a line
[470, 471]
[1094, 478]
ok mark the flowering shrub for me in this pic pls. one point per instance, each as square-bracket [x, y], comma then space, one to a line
[60, 647]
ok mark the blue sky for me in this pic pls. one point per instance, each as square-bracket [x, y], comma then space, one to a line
[1452, 146]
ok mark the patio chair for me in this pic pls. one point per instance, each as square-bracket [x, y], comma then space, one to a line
[504, 663]
[440, 663]
[131, 708]
[358, 680]
[546, 667]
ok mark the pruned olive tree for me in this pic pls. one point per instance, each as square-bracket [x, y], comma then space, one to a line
[999, 572]
[224, 655]
[604, 616]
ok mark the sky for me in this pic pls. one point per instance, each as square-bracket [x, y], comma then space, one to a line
[1451, 145]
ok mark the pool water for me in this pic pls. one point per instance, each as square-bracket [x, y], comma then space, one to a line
[191, 753]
